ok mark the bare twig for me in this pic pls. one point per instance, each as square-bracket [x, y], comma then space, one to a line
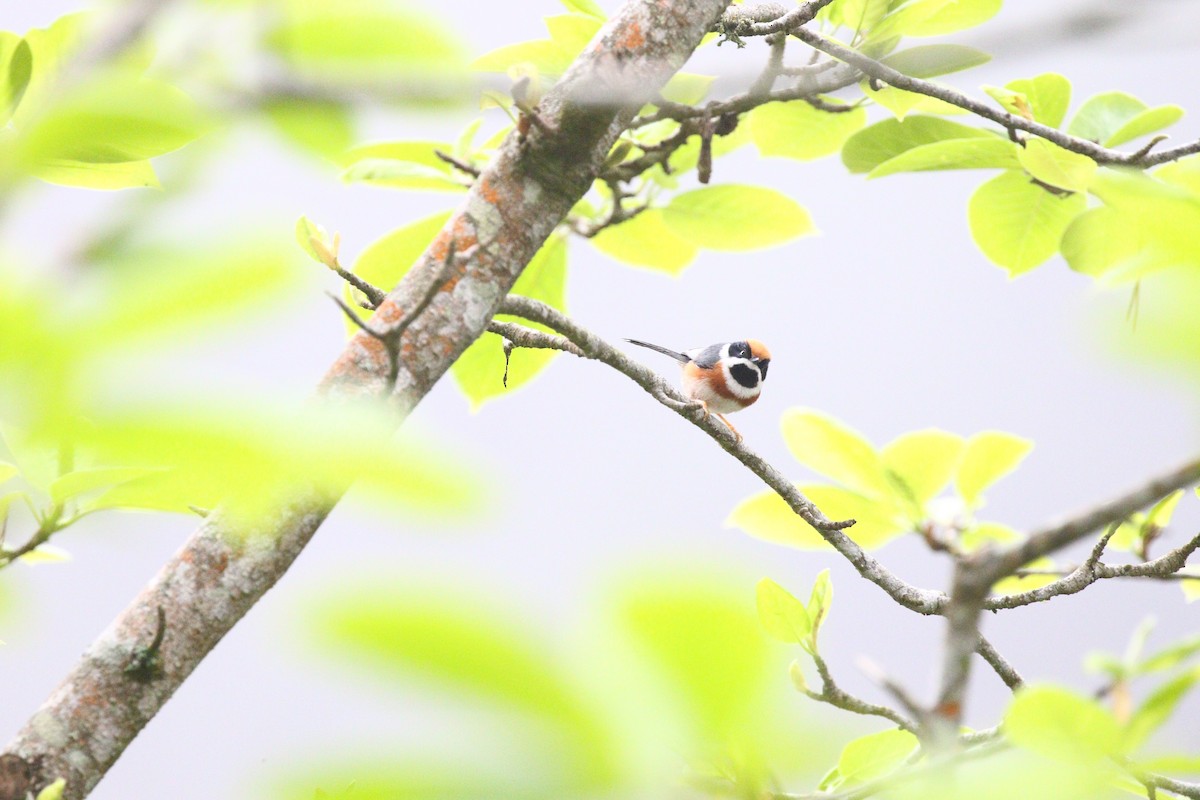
[459, 164]
[834, 695]
[999, 665]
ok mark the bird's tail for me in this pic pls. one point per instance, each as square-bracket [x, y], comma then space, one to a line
[680, 357]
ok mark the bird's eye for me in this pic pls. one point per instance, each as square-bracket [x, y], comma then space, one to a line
[739, 350]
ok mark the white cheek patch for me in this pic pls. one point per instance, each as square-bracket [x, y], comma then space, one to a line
[735, 388]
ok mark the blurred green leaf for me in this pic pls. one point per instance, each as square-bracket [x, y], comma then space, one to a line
[736, 218]
[114, 118]
[782, 616]
[869, 757]
[924, 462]
[46, 554]
[1017, 224]
[306, 232]
[54, 791]
[1158, 708]
[1055, 166]
[709, 646]
[72, 484]
[883, 141]
[1164, 216]
[934, 18]
[1191, 589]
[973, 153]
[49, 47]
[1062, 725]
[858, 15]
[766, 516]
[321, 128]
[355, 39]
[254, 456]
[401, 175]
[572, 32]
[798, 130]
[830, 448]
[1099, 240]
[588, 7]
[7, 471]
[480, 369]
[902, 103]
[1170, 657]
[687, 88]
[646, 241]
[931, 60]
[1047, 96]
[16, 56]
[544, 55]
[988, 457]
[105, 176]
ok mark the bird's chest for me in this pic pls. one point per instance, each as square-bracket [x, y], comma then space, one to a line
[717, 390]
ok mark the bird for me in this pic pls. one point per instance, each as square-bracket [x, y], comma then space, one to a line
[723, 377]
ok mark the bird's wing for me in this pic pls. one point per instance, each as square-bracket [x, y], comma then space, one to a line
[707, 357]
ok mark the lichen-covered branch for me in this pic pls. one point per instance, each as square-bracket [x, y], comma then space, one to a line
[81, 730]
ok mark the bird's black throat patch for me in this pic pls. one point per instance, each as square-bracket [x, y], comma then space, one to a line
[745, 375]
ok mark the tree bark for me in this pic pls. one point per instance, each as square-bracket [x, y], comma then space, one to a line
[121, 681]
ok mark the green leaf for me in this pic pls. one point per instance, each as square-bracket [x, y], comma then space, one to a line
[389, 258]
[417, 152]
[1158, 708]
[1184, 173]
[479, 371]
[17, 58]
[859, 16]
[1051, 164]
[736, 218]
[706, 643]
[306, 232]
[935, 18]
[324, 129]
[974, 153]
[883, 141]
[1191, 589]
[930, 60]
[687, 88]
[924, 462]
[1165, 217]
[445, 637]
[1018, 224]
[819, 601]
[903, 103]
[46, 554]
[114, 118]
[1011, 101]
[869, 757]
[573, 32]
[830, 448]
[782, 616]
[7, 471]
[1104, 114]
[800, 131]
[107, 176]
[74, 484]
[1146, 122]
[1170, 657]
[988, 457]
[1160, 514]
[646, 241]
[361, 39]
[401, 175]
[766, 516]
[1098, 240]
[1062, 725]
[544, 55]
[588, 7]
[1046, 95]
[54, 791]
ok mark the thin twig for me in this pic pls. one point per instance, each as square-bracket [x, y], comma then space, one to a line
[834, 695]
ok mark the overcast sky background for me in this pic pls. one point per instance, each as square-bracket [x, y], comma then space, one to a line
[890, 320]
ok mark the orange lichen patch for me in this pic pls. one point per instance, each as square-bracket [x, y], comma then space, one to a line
[631, 38]
[488, 191]
[950, 710]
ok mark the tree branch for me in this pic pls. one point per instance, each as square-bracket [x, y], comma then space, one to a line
[892, 77]
[834, 695]
[515, 205]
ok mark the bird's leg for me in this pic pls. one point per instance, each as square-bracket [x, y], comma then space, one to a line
[737, 436]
